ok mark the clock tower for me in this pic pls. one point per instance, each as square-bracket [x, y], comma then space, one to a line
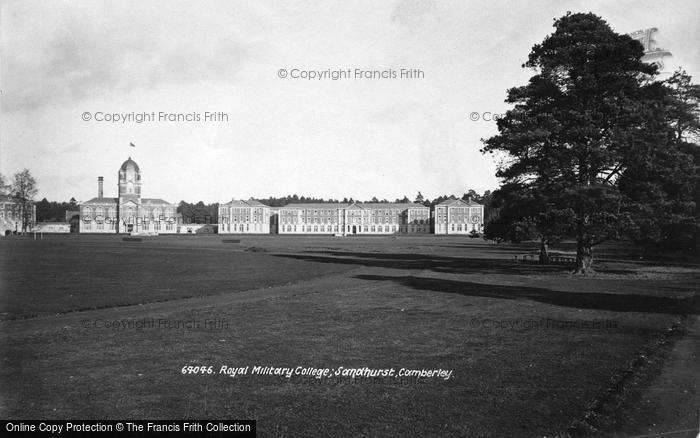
[129, 196]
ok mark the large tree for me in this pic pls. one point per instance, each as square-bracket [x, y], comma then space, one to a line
[23, 191]
[588, 114]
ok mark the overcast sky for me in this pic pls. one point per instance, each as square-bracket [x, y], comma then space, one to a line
[347, 138]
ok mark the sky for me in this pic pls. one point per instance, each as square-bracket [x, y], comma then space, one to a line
[68, 66]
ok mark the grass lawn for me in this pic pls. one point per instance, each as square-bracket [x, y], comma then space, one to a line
[531, 348]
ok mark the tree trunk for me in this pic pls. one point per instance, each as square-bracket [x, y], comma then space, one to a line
[584, 257]
[544, 251]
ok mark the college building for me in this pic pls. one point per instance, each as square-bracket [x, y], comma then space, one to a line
[130, 213]
[244, 217]
[354, 219]
[11, 216]
[455, 216]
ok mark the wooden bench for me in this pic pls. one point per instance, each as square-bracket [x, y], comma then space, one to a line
[553, 259]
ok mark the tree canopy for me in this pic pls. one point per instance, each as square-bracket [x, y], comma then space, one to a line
[591, 120]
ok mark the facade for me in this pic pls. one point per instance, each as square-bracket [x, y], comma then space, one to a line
[11, 216]
[128, 213]
[244, 217]
[455, 216]
[353, 219]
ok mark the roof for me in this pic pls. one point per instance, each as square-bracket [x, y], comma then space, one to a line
[149, 201]
[391, 205]
[131, 162]
[459, 203]
[242, 203]
[356, 205]
[101, 201]
[255, 203]
[155, 201]
[316, 205]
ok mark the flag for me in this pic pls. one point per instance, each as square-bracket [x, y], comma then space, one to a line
[132, 145]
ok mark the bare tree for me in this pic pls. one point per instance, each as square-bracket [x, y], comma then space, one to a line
[23, 191]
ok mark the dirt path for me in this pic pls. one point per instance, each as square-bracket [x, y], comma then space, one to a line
[670, 405]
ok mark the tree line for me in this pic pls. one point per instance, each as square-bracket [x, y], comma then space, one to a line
[419, 199]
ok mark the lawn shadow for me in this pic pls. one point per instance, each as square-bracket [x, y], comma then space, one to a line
[436, 263]
[576, 300]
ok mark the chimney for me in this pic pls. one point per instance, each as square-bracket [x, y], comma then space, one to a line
[100, 183]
